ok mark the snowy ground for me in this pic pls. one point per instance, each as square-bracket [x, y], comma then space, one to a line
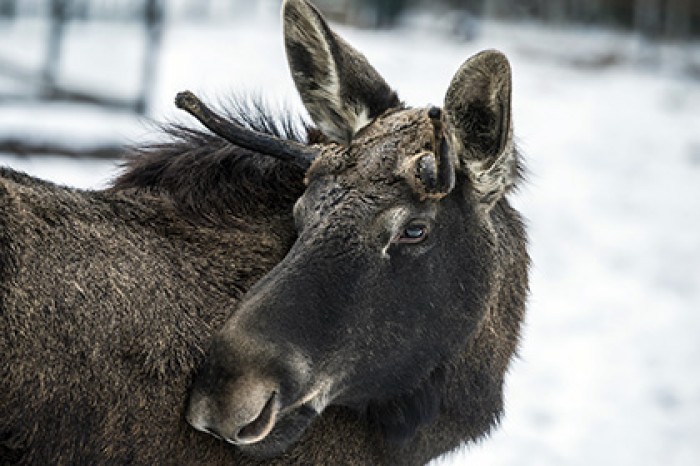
[609, 372]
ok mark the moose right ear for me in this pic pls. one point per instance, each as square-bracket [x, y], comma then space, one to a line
[478, 112]
[340, 89]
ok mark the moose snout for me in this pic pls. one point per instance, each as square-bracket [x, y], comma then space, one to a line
[244, 413]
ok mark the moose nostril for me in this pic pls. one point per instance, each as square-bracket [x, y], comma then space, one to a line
[213, 432]
[434, 112]
[261, 425]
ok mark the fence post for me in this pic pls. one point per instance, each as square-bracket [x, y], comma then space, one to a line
[59, 15]
[153, 19]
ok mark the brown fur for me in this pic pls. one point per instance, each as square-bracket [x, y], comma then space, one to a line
[108, 300]
[416, 335]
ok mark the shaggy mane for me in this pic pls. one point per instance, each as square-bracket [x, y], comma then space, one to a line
[214, 181]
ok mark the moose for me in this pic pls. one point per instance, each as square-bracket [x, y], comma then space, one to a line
[348, 293]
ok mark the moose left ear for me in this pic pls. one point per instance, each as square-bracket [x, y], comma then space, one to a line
[477, 106]
[340, 89]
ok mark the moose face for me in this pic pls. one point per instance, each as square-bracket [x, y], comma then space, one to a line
[391, 274]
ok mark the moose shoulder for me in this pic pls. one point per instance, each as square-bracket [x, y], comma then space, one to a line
[402, 297]
[368, 282]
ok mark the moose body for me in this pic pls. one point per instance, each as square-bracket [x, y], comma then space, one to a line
[367, 282]
[108, 300]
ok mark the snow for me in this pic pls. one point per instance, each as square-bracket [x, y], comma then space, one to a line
[609, 371]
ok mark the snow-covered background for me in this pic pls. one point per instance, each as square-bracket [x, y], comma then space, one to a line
[609, 372]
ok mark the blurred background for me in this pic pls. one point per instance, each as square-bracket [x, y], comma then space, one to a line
[607, 112]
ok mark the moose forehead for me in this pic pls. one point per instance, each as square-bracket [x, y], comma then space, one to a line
[376, 157]
[370, 175]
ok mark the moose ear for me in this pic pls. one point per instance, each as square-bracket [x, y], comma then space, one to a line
[477, 105]
[340, 89]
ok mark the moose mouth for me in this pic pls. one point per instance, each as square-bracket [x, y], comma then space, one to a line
[275, 430]
[276, 427]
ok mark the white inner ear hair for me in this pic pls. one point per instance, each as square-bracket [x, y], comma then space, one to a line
[492, 180]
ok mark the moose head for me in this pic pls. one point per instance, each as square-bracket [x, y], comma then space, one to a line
[409, 266]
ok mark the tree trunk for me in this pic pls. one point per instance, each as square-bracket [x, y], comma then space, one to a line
[647, 17]
[555, 11]
[678, 19]
[8, 8]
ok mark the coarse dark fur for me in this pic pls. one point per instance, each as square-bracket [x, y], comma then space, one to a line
[108, 300]
[402, 297]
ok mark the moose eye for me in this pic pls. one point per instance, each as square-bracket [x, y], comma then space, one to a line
[413, 233]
